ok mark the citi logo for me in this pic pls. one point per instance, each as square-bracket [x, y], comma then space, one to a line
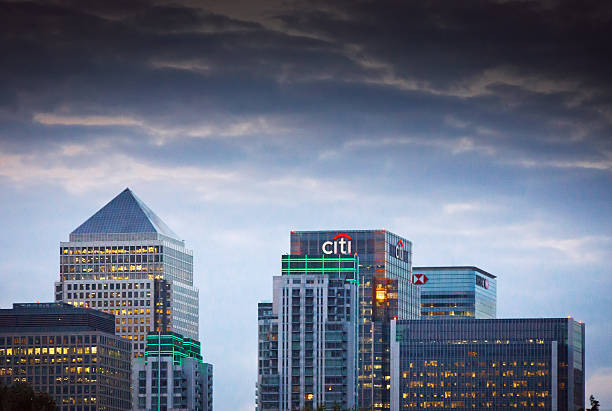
[399, 250]
[340, 244]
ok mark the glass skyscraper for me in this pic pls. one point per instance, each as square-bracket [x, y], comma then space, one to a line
[385, 292]
[126, 261]
[490, 364]
[268, 377]
[457, 292]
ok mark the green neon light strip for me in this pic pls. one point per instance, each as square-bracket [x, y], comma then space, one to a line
[318, 270]
[155, 337]
[174, 353]
[319, 259]
[354, 270]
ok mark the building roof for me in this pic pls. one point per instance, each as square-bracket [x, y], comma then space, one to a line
[452, 268]
[125, 214]
[45, 317]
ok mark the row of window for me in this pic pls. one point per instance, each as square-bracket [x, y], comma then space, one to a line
[107, 286]
[111, 250]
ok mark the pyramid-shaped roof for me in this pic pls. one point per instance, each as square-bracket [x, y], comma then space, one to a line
[125, 214]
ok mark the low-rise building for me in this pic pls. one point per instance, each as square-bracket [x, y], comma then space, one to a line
[490, 364]
[71, 353]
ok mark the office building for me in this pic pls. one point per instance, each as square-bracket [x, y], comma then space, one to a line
[385, 262]
[308, 335]
[489, 364]
[172, 375]
[268, 379]
[457, 292]
[124, 260]
[71, 353]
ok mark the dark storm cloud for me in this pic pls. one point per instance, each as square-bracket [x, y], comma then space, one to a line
[533, 73]
[444, 42]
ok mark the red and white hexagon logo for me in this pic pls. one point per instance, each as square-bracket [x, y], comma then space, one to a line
[419, 279]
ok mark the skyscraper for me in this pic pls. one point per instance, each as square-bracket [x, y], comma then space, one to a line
[268, 378]
[385, 292]
[308, 335]
[457, 292]
[126, 261]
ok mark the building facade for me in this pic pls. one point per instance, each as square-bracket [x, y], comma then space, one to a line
[126, 261]
[488, 364]
[383, 256]
[71, 353]
[268, 378]
[171, 375]
[308, 335]
[457, 292]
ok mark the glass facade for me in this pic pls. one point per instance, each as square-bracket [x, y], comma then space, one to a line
[488, 364]
[382, 255]
[457, 292]
[268, 379]
[68, 352]
[125, 260]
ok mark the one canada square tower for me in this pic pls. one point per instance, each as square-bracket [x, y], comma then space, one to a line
[126, 261]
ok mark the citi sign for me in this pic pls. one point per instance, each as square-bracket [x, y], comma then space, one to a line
[340, 244]
[399, 250]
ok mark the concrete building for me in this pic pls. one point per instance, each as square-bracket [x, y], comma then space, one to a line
[126, 261]
[308, 335]
[456, 292]
[490, 364]
[172, 376]
[71, 353]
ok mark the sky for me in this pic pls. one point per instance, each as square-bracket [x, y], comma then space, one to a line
[481, 131]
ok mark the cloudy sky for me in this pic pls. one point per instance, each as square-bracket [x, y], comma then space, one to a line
[481, 131]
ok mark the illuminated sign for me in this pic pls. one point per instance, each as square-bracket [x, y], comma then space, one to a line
[399, 250]
[340, 244]
[419, 279]
[483, 282]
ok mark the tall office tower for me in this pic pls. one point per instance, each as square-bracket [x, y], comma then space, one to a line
[494, 364]
[268, 381]
[457, 292]
[382, 256]
[124, 260]
[172, 375]
[71, 353]
[315, 313]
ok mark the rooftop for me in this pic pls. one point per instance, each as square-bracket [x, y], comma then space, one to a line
[124, 214]
[453, 268]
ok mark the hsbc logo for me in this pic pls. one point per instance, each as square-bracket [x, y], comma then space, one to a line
[483, 282]
[340, 244]
[399, 250]
[419, 279]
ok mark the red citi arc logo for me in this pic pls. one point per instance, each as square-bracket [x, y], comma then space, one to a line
[399, 250]
[340, 244]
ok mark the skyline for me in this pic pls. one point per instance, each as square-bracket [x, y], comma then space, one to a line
[481, 134]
